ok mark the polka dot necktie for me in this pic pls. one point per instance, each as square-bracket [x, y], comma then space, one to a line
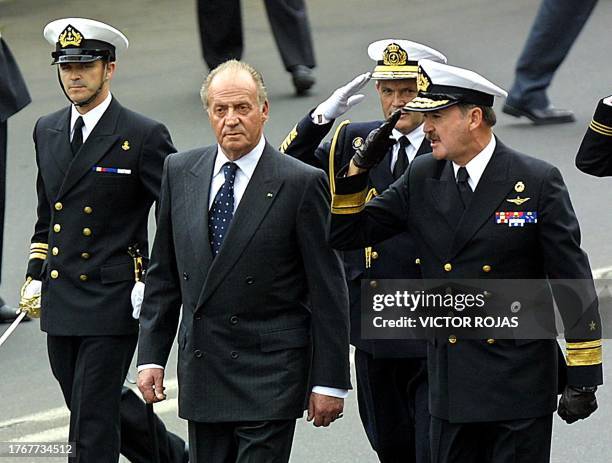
[222, 209]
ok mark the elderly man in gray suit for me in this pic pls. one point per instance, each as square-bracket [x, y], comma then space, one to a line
[240, 244]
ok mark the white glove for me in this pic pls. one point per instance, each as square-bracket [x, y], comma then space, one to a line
[137, 296]
[32, 289]
[341, 100]
[608, 101]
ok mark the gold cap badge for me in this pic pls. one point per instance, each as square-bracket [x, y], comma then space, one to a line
[394, 55]
[70, 37]
[423, 81]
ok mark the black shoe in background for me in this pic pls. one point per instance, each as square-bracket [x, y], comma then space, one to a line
[302, 78]
[9, 314]
[546, 116]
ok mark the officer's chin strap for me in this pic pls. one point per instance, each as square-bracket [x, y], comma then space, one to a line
[91, 98]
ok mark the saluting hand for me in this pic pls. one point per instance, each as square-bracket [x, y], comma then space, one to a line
[343, 99]
[324, 409]
[376, 144]
[151, 384]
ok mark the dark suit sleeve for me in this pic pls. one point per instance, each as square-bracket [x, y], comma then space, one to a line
[355, 224]
[327, 290]
[574, 291]
[595, 153]
[13, 91]
[39, 241]
[304, 143]
[157, 146]
[162, 300]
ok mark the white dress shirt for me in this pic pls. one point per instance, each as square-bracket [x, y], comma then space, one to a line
[90, 119]
[246, 166]
[477, 164]
[415, 138]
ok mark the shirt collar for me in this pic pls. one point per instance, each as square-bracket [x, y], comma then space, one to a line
[246, 163]
[478, 163]
[91, 117]
[415, 137]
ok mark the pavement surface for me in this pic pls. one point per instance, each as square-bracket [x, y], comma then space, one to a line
[160, 76]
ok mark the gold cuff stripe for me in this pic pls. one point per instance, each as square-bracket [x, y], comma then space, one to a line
[288, 139]
[39, 246]
[349, 204]
[603, 131]
[371, 194]
[332, 157]
[584, 357]
[584, 344]
[601, 126]
[38, 255]
[41, 250]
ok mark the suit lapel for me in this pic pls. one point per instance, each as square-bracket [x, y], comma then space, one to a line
[97, 144]
[197, 191]
[492, 188]
[448, 206]
[259, 196]
[59, 142]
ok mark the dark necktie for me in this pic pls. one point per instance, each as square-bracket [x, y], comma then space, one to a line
[222, 209]
[402, 158]
[464, 187]
[77, 137]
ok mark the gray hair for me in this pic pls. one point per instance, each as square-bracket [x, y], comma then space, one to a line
[235, 66]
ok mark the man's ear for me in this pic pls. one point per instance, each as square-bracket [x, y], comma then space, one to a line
[265, 111]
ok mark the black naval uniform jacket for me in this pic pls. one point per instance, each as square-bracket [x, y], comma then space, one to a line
[392, 258]
[88, 217]
[488, 380]
[264, 320]
[595, 154]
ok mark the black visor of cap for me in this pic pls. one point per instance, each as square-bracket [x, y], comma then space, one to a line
[88, 51]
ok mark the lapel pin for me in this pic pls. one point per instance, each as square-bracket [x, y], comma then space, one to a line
[125, 146]
[519, 187]
[270, 194]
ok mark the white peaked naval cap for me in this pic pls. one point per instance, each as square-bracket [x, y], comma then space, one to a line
[81, 40]
[398, 59]
[441, 86]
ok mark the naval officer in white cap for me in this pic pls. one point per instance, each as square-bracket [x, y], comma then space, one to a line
[99, 172]
[491, 400]
[391, 374]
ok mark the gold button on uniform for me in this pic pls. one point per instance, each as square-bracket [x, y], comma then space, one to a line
[452, 339]
[373, 284]
[87, 231]
[490, 341]
[57, 227]
[59, 206]
[448, 267]
[83, 277]
[486, 268]
[417, 261]
[54, 274]
[374, 255]
[55, 251]
[87, 210]
[85, 255]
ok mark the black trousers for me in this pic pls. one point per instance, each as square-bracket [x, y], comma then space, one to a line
[516, 441]
[91, 371]
[554, 30]
[392, 394]
[221, 31]
[136, 440]
[245, 442]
